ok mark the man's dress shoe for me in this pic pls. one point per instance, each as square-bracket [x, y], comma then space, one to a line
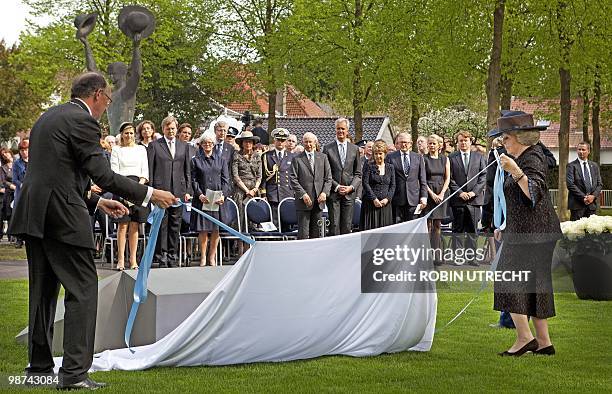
[87, 384]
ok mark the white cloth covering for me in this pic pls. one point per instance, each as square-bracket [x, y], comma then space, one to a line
[291, 300]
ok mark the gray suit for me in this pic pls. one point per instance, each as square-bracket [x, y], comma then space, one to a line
[466, 214]
[341, 207]
[409, 189]
[304, 181]
[577, 188]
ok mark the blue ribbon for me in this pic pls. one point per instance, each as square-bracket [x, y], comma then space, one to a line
[499, 199]
[140, 287]
[229, 229]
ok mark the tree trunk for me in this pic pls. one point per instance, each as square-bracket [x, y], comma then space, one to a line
[271, 110]
[494, 74]
[585, 115]
[566, 108]
[506, 92]
[358, 94]
[271, 77]
[596, 145]
[414, 124]
[357, 104]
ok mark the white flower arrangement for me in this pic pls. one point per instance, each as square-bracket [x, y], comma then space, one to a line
[592, 233]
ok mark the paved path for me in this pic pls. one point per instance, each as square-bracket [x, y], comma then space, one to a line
[19, 270]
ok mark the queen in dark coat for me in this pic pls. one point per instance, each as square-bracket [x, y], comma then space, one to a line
[532, 229]
[208, 172]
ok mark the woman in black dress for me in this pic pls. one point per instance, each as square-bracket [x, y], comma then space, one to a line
[208, 172]
[378, 189]
[532, 229]
[437, 173]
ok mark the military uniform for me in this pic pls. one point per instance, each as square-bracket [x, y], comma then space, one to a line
[276, 166]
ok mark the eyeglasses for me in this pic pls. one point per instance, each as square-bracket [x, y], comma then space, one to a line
[110, 100]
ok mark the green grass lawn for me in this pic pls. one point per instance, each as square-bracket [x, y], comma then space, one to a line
[8, 252]
[463, 357]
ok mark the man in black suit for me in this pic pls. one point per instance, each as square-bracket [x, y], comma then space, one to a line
[410, 180]
[311, 183]
[170, 169]
[345, 165]
[584, 184]
[53, 215]
[466, 204]
[260, 132]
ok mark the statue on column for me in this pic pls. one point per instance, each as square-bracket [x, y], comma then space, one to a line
[137, 23]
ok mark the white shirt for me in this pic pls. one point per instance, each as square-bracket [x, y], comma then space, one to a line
[588, 169]
[130, 160]
[171, 145]
[86, 106]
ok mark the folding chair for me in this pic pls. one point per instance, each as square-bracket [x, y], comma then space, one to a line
[287, 218]
[192, 236]
[111, 239]
[356, 214]
[232, 217]
[258, 211]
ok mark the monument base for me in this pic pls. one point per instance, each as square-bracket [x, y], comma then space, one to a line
[173, 294]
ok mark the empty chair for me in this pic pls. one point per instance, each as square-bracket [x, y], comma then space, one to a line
[287, 218]
[258, 211]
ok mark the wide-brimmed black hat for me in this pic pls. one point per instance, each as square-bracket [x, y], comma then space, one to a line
[515, 121]
[136, 19]
[247, 136]
[84, 24]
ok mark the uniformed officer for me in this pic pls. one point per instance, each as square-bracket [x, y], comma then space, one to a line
[276, 167]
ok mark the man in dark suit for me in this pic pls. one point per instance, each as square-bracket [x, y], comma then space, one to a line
[466, 204]
[260, 132]
[276, 166]
[170, 169]
[584, 184]
[410, 180]
[311, 183]
[53, 215]
[345, 165]
[223, 148]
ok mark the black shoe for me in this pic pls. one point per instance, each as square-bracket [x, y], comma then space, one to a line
[546, 351]
[87, 384]
[530, 347]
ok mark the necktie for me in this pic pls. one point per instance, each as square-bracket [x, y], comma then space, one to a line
[342, 154]
[466, 162]
[406, 164]
[219, 148]
[311, 160]
[279, 156]
[171, 146]
[587, 177]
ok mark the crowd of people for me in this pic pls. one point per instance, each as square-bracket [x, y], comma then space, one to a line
[390, 183]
